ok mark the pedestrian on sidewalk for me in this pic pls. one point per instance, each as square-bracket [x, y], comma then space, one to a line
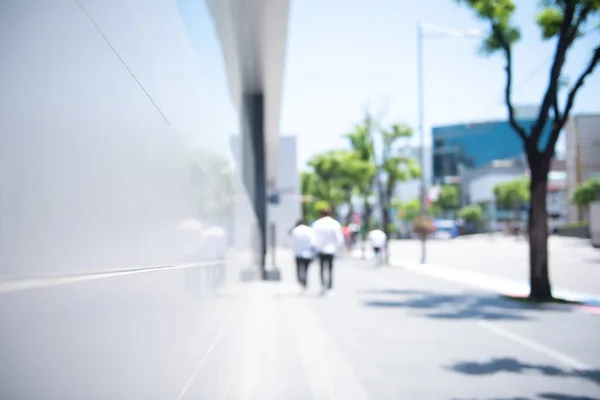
[378, 241]
[304, 249]
[329, 238]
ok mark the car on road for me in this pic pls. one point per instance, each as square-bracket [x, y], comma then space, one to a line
[445, 229]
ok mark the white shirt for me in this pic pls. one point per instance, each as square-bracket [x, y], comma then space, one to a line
[377, 238]
[304, 241]
[328, 234]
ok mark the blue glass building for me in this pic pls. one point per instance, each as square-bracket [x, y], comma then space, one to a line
[474, 145]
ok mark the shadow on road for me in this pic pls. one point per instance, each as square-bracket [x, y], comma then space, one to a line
[512, 365]
[542, 396]
[463, 305]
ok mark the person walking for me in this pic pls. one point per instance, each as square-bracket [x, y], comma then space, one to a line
[329, 238]
[304, 248]
[378, 240]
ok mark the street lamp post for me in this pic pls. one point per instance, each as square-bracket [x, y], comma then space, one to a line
[421, 136]
[422, 34]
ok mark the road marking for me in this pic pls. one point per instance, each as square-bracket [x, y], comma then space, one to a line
[540, 348]
[16, 285]
[212, 346]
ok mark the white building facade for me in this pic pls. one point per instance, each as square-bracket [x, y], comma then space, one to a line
[582, 155]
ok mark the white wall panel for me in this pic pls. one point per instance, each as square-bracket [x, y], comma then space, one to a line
[115, 125]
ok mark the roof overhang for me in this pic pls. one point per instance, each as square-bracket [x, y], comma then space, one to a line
[253, 35]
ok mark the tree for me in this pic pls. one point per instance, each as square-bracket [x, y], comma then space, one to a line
[409, 210]
[331, 178]
[308, 186]
[361, 143]
[327, 168]
[513, 194]
[565, 22]
[587, 192]
[393, 167]
[448, 198]
[471, 213]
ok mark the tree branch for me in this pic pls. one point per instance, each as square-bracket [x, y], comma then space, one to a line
[562, 120]
[508, 88]
[565, 39]
[581, 18]
[555, 109]
[580, 82]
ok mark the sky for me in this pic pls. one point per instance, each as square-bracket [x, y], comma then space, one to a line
[345, 55]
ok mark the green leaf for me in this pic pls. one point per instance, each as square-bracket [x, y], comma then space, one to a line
[587, 192]
[499, 14]
[471, 213]
[512, 193]
[549, 20]
[448, 198]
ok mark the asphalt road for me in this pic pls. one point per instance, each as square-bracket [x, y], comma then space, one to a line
[574, 264]
[389, 333]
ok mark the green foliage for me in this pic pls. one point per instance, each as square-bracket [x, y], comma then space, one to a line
[513, 193]
[551, 17]
[587, 192]
[322, 205]
[394, 165]
[580, 224]
[471, 213]
[563, 20]
[550, 20]
[409, 210]
[361, 144]
[335, 172]
[448, 199]
[499, 13]
[335, 176]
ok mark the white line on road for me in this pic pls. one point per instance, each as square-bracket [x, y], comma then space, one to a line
[540, 348]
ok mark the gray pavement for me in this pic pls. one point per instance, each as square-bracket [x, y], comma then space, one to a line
[391, 334]
[574, 264]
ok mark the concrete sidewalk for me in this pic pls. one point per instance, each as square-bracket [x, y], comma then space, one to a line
[494, 283]
[574, 264]
[392, 334]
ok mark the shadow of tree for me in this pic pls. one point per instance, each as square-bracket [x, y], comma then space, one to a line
[462, 305]
[515, 366]
[390, 291]
[542, 396]
[559, 396]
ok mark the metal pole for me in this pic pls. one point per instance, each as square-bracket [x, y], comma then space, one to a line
[273, 245]
[421, 104]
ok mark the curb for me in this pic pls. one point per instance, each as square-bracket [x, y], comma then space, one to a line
[589, 303]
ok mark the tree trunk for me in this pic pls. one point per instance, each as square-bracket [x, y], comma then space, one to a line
[385, 220]
[367, 211]
[350, 214]
[385, 216]
[538, 228]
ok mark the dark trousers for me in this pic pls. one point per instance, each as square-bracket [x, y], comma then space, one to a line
[302, 269]
[326, 264]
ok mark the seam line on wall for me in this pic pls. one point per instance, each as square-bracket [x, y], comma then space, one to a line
[17, 285]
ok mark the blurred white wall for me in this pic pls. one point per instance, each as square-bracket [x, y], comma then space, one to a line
[289, 210]
[121, 209]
